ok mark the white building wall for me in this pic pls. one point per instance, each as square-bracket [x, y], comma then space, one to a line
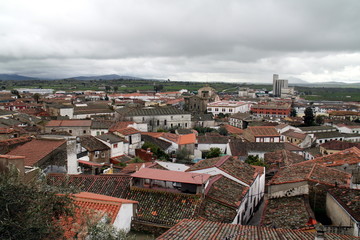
[67, 112]
[123, 219]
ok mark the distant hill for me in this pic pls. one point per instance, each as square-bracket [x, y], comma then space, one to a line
[105, 77]
[15, 77]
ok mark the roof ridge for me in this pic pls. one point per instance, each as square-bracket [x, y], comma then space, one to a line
[312, 169]
[221, 161]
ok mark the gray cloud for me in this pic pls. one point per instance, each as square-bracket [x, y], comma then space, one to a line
[184, 40]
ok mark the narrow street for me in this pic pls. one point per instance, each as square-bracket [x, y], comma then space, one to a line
[255, 220]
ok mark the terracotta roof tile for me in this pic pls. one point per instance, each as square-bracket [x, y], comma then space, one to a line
[349, 199]
[339, 145]
[349, 156]
[281, 158]
[263, 131]
[69, 123]
[287, 212]
[233, 130]
[310, 171]
[111, 185]
[127, 131]
[36, 150]
[180, 139]
[191, 229]
[233, 166]
[172, 176]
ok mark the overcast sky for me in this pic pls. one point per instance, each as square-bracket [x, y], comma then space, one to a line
[190, 40]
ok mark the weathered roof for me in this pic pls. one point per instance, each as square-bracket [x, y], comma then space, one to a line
[69, 123]
[281, 158]
[110, 184]
[262, 131]
[91, 143]
[162, 207]
[317, 128]
[223, 198]
[36, 149]
[239, 148]
[172, 176]
[112, 138]
[321, 135]
[101, 124]
[293, 134]
[348, 156]
[241, 116]
[158, 142]
[233, 130]
[191, 229]
[127, 131]
[286, 212]
[212, 139]
[349, 199]
[339, 145]
[154, 111]
[233, 166]
[120, 125]
[309, 171]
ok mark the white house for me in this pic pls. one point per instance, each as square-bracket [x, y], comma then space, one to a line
[228, 107]
[116, 143]
[119, 211]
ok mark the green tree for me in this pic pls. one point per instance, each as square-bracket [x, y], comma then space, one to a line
[156, 150]
[214, 152]
[293, 112]
[136, 160]
[103, 230]
[30, 210]
[255, 160]
[183, 156]
[116, 88]
[223, 131]
[158, 88]
[309, 117]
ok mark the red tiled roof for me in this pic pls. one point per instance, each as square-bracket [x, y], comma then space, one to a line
[127, 131]
[69, 123]
[15, 140]
[349, 156]
[120, 125]
[339, 145]
[265, 131]
[310, 171]
[94, 206]
[233, 130]
[153, 134]
[293, 134]
[90, 163]
[180, 139]
[6, 130]
[36, 150]
[172, 176]
[232, 166]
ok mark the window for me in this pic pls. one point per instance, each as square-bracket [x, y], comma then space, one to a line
[172, 117]
[97, 133]
[103, 154]
[223, 109]
[165, 122]
[115, 145]
[209, 109]
[84, 131]
[185, 124]
[216, 109]
[158, 122]
[130, 139]
[70, 131]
